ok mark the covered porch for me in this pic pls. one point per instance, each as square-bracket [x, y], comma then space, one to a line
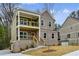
[28, 34]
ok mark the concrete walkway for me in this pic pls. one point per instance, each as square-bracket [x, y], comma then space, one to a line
[34, 48]
[15, 54]
[75, 53]
[8, 53]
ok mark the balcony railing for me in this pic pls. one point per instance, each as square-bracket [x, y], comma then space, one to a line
[28, 23]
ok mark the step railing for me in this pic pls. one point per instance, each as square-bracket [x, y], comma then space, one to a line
[43, 41]
[35, 40]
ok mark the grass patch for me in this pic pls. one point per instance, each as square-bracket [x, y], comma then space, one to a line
[59, 50]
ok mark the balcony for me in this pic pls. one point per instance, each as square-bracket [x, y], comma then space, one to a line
[28, 23]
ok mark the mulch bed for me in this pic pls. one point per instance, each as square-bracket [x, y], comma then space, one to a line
[49, 51]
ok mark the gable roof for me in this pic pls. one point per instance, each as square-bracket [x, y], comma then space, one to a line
[69, 18]
[45, 10]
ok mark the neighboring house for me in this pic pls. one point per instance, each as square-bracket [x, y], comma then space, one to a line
[70, 31]
[31, 29]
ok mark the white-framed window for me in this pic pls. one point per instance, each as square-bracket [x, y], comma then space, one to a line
[42, 22]
[23, 35]
[44, 35]
[23, 22]
[49, 24]
[52, 35]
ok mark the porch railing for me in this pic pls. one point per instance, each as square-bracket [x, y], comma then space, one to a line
[28, 23]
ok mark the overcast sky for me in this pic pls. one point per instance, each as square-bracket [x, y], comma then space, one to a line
[60, 10]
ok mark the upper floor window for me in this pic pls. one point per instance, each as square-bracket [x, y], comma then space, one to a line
[52, 35]
[44, 35]
[68, 35]
[23, 22]
[49, 24]
[42, 23]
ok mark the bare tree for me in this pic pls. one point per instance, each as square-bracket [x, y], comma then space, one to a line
[7, 13]
[57, 27]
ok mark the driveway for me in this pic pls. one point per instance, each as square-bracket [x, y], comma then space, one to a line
[75, 53]
[8, 53]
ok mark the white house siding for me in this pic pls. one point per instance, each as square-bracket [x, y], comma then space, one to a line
[48, 30]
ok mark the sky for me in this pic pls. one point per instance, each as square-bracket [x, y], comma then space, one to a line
[59, 10]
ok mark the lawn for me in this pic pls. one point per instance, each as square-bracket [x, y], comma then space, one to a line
[54, 51]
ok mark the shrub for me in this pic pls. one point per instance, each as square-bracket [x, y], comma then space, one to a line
[4, 42]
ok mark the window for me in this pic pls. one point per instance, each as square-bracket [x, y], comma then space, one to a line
[68, 35]
[42, 22]
[23, 35]
[21, 22]
[52, 35]
[44, 35]
[49, 24]
[25, 23]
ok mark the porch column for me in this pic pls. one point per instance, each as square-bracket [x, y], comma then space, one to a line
[39, 28]
[18, 25]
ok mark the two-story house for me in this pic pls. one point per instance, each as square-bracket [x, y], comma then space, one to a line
[30, 29]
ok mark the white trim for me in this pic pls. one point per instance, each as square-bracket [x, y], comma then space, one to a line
[24, 35]
[47, 29]
[39, 27]
[18, 25]
[27, 26]
[29, 13]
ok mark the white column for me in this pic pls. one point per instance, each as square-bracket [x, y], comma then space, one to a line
[39, 28]
[18, 25]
